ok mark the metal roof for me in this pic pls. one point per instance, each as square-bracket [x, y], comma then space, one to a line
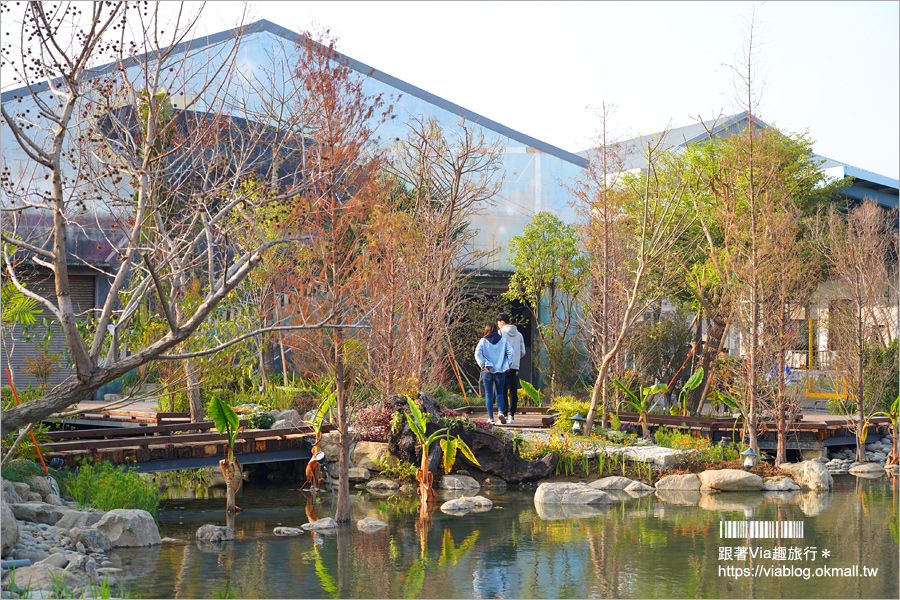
[866, 183]
[264, 26]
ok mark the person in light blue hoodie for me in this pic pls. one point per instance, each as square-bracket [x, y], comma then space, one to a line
[494, 355]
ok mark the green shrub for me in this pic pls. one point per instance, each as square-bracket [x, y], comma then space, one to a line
[104, 486]
[402, 470]
[22, 469]
[261, 420]
[566, 407]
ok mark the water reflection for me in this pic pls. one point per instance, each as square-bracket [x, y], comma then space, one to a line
[653, 547]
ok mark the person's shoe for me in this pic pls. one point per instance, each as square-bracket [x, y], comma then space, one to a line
[510, 418]
[501, 420]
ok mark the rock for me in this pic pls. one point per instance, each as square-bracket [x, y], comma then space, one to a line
[779, 483]
[330, 444]
[36, 577]
[38, 512]
[321, 524]
[287, 531]
[679, 482]
[80, 518]
[22, 489]
[92, 539]
[458, 506]
[127, 528]
[732, 501]
[407, 488]
[372, 455]
[42, 485]
[867, 469]
[493, 483]
[10, 495]
[35, 555]
[54, 500]
[731, 480]
[459, 482]
[812, 475]
[81, 564]
[358, 474]
[214, 533]
[570, 493]
[9, 529]
[34, 498]
[60, 561]
[288, 419]
[370, 525]
[480, 503]
[611, 483]
[382, 485]
[637, 488]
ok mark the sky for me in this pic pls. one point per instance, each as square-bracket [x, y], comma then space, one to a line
[831, 69]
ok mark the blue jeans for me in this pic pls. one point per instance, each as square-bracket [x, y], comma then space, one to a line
[492, 381]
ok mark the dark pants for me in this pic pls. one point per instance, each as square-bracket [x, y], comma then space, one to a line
[512, 391]
[494, 385]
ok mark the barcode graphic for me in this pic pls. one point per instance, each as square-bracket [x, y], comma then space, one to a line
[761, 529]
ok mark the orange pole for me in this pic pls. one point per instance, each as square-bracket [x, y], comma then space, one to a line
[34, 441]
[691, 353]
[452, 366]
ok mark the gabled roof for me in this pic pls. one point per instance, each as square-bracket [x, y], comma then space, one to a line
[866, 184]
[264, 26]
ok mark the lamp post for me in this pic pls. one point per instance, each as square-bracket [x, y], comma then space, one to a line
[577, 421]
[751, 458]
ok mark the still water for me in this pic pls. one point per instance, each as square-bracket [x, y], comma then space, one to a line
[638, 548]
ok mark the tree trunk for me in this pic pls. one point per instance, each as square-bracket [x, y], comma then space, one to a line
[195, 400]
[711, 349]
[342, 511]
[227, 466]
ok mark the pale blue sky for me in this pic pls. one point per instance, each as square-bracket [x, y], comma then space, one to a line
[828, 67]
[832, 68]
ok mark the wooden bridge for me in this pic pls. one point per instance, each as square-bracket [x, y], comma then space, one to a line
[153, 448]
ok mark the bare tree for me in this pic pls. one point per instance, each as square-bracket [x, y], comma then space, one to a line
[153, 152]
[446, 177]
[859, 249]
[654, 213]
[603, 236]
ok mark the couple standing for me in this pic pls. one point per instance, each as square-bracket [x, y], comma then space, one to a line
[498, 354]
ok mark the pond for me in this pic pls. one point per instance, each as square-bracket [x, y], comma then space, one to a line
[639, 548]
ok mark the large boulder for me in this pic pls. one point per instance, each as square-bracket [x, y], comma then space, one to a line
[38, 512]
[10, 495]
[22, 489]
[458, 506]
[689, 482]
[370, 525]
[779, 483]
[287, 531]
[459, 482]
[868, 469]
[42, 485]
[9, 529]
[358, 474]
[320, 525]
[330, 444]
[811, 475]
[84, 517]
[731, 480]
[638, 488]
[480, 503]
[129, 528]
[611, 483]
[382, 486]
[214, 533]
[372, 455]
[37, 576]
[570, 493]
